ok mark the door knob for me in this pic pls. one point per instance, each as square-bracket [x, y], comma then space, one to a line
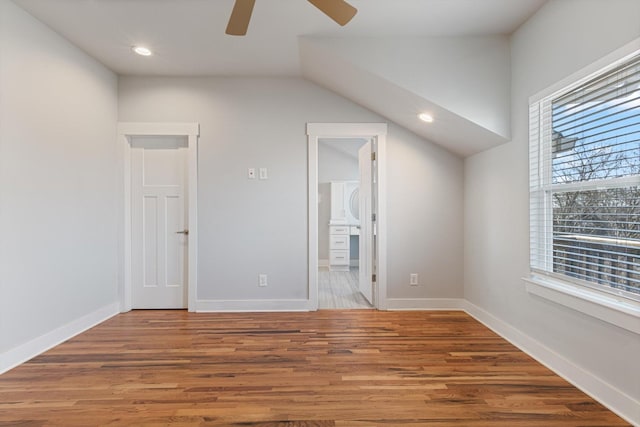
[185, 232]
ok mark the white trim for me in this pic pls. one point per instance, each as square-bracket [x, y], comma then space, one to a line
[596, 184]
[206, 306]
[192, 132]
[425, 304]
[581, 76]
[347, 130]
[617, 401]
[312, 215]
[618, 311]
[323, 263]
[24, 352]
[381, 218]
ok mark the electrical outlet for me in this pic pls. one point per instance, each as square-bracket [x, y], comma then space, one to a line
[251, 173]
[413, 279]
[262, 280]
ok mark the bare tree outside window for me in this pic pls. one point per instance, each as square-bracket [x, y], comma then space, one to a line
[596, 228]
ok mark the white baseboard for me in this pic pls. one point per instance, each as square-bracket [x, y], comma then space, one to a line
[425, 304]
[617, 401]
[204, 306]
[18, 355]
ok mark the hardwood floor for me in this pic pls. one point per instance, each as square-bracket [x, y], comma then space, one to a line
[327, 368]
[339, 289]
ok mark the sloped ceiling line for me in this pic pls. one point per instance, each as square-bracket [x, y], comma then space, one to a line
[463, 82]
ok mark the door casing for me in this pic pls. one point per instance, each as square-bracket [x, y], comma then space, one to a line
[378, 132]
[127, 131]
[366, 205]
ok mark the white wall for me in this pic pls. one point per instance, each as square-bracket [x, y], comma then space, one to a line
[58, 245]
[251, 227]
[563, 37]
[423, 199]
[335, 164]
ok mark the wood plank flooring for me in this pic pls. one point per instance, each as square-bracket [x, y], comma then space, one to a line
[339, 289]
[327, 368]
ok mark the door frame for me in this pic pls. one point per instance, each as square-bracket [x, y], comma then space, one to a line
[125, 133]
[378, 131]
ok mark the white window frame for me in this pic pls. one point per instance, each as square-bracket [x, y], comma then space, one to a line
[615, 309]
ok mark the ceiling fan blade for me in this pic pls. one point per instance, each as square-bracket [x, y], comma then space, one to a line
[240, 17]
[338, 10]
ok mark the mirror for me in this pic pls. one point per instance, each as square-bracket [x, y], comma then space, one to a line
[354, 203]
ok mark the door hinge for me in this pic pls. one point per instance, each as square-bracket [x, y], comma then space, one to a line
[373, 155]
[373, 217]
[373, 277]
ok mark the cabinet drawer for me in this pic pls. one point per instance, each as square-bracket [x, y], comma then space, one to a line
[339, 242]
[339, 258]
[339, 229]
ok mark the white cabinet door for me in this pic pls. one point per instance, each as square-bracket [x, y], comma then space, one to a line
[339, 229]
[338, 208]
[366, 224]
[339, 260]
[339, 242]
[159, 227]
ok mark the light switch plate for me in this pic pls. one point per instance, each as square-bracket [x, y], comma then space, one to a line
[263, 173]
[262, 280]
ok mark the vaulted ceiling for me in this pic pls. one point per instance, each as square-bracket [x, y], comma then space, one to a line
[402, 53]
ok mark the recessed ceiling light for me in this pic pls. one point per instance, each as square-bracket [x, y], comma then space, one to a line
[141, 50]
[425, 117]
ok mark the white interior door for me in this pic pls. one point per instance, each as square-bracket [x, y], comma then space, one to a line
[159, 223]
[366, 223]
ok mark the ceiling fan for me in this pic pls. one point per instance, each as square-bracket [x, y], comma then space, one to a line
[338, 10]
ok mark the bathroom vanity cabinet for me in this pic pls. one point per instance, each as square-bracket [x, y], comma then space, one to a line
[339, 247]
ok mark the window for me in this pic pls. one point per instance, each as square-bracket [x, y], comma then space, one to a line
[585, 181]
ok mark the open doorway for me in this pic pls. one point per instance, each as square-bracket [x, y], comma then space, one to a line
[341, 175]
[347, 256]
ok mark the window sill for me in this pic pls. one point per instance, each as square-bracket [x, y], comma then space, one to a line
[609, 308]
